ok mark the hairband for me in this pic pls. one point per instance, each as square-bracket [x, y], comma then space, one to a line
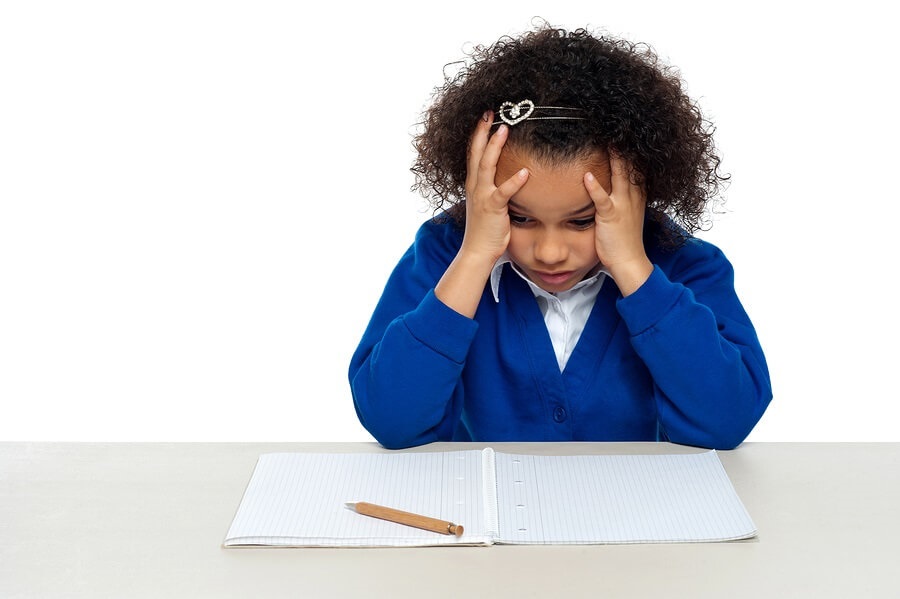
[513, 113]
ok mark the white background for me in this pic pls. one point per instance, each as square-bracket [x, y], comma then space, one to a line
[201, 201]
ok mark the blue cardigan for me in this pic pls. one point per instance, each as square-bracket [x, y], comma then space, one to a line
[678, 360]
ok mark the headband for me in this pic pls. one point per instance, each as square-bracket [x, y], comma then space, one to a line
[513, 113]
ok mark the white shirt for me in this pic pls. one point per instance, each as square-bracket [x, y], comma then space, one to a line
[565, 313]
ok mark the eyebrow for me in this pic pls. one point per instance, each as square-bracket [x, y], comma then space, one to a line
[585, 208]
[518, 207]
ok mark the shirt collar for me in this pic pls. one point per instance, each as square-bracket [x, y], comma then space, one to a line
[497, 272]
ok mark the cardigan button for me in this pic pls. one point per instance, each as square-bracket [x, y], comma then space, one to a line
[559, 414]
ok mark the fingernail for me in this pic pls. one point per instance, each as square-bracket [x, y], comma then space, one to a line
[589, 177]
[486, 116]
[523, 173]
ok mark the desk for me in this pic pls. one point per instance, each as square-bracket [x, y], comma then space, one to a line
[148, 520]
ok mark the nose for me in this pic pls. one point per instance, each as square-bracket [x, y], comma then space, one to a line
[550, 248]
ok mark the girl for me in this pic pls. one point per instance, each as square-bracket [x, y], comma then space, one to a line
[559, 294]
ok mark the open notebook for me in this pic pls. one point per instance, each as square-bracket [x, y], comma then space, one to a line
[298, 499]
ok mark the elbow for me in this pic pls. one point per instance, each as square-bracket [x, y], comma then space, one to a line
[730, 435]
[386, 434]
[395, 442]
[387, 430]
[395, 421]
[724, 427]
[727, 442]
[391, 438]
[706, 440]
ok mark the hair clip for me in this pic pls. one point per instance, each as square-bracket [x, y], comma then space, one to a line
[513, 113]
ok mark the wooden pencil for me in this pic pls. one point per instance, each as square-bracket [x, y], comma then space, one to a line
[406, 518]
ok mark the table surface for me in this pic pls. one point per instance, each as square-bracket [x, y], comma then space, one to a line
[148, 520]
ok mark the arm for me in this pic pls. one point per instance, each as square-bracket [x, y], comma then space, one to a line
[405, 375]
[487, 221]
[711, 382]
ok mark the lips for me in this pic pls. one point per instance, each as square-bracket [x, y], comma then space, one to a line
[554, 278]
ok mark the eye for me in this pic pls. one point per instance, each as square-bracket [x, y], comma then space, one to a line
[518, 219]
[582, 223]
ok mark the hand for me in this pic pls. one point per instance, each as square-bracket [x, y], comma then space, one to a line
[619, 227]
[487, 221]
[487, 217]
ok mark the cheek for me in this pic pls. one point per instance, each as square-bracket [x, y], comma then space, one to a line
[587, 246]
[519, 243]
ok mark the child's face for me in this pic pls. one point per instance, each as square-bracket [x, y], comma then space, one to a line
[552, 218]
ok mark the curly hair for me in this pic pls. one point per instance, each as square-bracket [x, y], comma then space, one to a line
[634, 106]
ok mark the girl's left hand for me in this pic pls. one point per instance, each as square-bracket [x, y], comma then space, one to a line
[619, 227]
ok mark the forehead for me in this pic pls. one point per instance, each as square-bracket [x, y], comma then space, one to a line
[554, 187]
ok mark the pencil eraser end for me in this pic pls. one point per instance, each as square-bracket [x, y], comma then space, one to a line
[459, 530]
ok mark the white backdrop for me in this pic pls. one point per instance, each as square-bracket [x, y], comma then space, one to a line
[200, 201]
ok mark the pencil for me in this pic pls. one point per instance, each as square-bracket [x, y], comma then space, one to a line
[415, 520]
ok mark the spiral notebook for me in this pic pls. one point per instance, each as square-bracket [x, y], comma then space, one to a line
[298, 499]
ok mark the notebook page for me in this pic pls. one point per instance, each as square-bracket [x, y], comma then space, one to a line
[298, 499]
[617, 499]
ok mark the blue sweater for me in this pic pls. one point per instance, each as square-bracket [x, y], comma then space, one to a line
[678, 360]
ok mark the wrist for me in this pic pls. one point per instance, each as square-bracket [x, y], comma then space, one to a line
[631, 274]
[463, 282]
[478, 258]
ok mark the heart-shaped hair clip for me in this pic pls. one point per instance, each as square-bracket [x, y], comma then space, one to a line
[513, 113]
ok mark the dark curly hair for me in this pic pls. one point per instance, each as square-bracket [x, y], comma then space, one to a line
[633, 104]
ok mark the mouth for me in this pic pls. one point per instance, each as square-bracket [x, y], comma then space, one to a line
[554, 278]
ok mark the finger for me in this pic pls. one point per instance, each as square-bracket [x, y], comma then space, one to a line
[511, 186]
[621, 181]
[602, 202]
[487, 167]
[477, 142]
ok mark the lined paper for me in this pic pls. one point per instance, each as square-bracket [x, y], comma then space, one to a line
[617, 499]
[298, 499]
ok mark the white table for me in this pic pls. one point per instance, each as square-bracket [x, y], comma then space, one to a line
[148, 520]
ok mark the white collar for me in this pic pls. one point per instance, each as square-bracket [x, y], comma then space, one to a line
[497, 271]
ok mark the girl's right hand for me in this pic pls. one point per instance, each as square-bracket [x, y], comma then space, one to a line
[487, 221]
[487, 216]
